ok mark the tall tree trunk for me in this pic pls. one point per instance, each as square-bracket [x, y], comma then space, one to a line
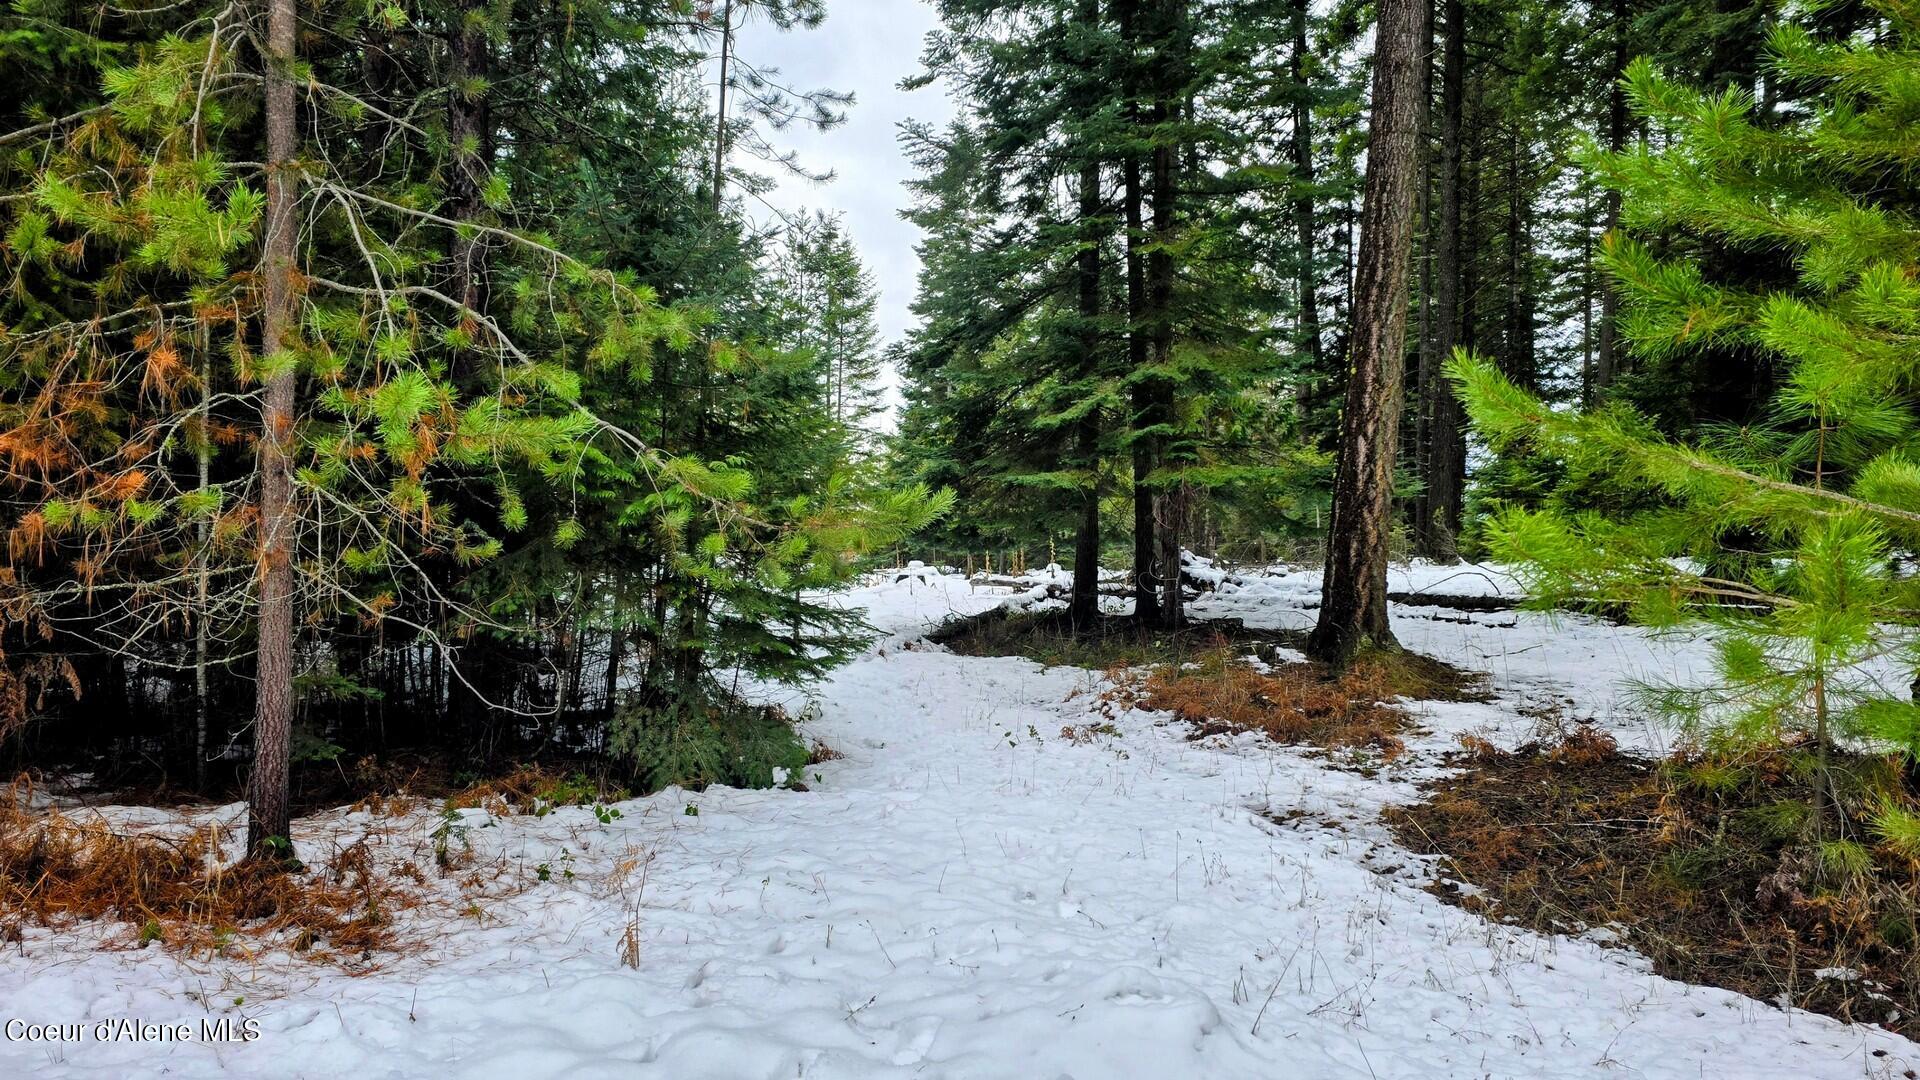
[1084, 607]
[1353, 604]
[616, 649]
[1587, 296]
[470, 130]
[1519, 331]
[203, 460]
[1146, 575]
[1171, 516]
[1170, 503]
[720, 121]
[1141, 403]
[267, 796]
[1427, 374]
[1606, 360]
[1444, 454]
[1303, 200]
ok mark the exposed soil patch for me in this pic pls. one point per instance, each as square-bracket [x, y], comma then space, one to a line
[317, 786]
[532, 789]
[1224, 691]
[1705, 865]
[1048, 637]
[173, 890]
[1223, 676]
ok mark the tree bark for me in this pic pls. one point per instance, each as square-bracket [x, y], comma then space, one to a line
[1444, 454]
[267, 794]
[1146, 578]
[1607, 354]
[1303, 202]
[1520, 362]
[1084, 607]
[1426, 375]
[1169, 504]
[720, 122]
[470, 130]
[1353, 606]
[203, 460]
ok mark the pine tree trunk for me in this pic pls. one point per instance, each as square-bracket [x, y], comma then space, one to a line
[616, 648]
[267, 794]
[1172, 519]
[470, 131]
[1160, 282]
[1606, 360]
[203, 460]
[1427, 375]
[1587, 296]
[720, 121]
[1084, 607]
[1146, 578]
[1303, 202]
[1353, 604]
[1443, 454]
[1520, 366]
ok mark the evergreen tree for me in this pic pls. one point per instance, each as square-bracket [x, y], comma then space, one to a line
[1120, 235]
[1785, 535]
[831, 299]
[1353, 605]
[310, 376]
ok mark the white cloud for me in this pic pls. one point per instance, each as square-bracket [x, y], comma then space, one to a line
[866, 47]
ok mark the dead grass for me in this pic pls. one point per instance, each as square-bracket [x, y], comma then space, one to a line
[1222, 691]
[1049, 638]
[1693, 862]
[535, 789]
[55, 870]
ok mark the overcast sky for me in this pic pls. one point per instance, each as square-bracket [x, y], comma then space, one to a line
[866, 47]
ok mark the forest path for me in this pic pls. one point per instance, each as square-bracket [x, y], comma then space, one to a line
[969, 892]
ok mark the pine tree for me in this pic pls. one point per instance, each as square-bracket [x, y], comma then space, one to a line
[305, 378]
[1785, 536]
[831, 299]
[1120, 237]
[1353, 611]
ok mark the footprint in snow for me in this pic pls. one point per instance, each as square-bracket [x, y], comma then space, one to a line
[917, 1040]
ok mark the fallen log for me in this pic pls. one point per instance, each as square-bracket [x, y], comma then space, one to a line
[1457, 603]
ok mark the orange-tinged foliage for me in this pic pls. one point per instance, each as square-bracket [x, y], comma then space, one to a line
[165, 373]
[121, 487]
[35, 449]
[54, 870]
[29, 537]
[1290, 703]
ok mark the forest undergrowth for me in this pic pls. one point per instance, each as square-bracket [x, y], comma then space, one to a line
[1702, 862]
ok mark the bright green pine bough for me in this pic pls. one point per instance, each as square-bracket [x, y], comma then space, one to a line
[1788, 538]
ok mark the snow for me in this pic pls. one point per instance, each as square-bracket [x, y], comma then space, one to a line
[970, 893]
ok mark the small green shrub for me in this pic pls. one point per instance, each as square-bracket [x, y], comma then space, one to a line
[699, 743]
[1844, 862]
[1696, 866]
[1898, 828]
[1778, 821]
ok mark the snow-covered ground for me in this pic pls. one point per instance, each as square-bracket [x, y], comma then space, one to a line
[971, 893]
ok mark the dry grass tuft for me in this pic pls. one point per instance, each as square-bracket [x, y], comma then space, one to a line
[1584, 746]
[533, 789]
[55, 871]
[1296, 703]
[1703, 863]
[1050, 638]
